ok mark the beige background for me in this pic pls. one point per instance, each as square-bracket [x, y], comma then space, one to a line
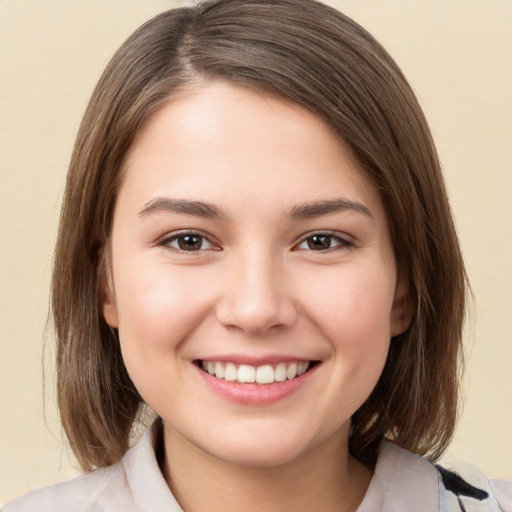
[456, 53]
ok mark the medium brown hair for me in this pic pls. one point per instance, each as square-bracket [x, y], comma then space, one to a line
[318, 58]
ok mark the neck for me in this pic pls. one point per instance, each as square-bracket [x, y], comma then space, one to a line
[326, 478]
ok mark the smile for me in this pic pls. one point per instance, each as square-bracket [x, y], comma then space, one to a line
[259, 384]
[247, 374]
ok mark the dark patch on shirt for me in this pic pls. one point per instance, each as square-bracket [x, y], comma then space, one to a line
[458, 486]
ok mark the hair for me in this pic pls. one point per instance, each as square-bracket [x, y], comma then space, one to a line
[320, 59]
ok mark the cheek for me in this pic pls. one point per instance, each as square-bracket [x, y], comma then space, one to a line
[158, 307]
[356, 301]
[353, 312]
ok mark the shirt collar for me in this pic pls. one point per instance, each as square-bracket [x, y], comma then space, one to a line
[402, 480]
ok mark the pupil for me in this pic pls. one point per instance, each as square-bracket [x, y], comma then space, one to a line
[319, 242]
[189, 242]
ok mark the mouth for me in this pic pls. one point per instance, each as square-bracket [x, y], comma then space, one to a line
[264, 374]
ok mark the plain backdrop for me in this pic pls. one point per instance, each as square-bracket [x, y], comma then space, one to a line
[456, 53]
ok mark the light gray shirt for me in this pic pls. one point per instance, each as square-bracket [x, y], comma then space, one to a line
[402, 482]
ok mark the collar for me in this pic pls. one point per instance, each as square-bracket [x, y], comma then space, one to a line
[402, 480]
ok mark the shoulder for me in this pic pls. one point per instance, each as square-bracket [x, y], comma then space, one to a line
[503, 492]
[133, 484]
[84, 493]
[404, 481]
[466, 487]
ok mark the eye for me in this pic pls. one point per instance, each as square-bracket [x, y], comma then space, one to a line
[188, 242]
[323, 242]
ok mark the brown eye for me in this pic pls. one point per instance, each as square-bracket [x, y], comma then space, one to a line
[319, 242]
[322, 242]
[188, 242]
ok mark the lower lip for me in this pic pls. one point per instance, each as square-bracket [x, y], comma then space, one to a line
[255, 394]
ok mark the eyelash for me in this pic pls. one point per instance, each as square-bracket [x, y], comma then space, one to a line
[166, 242]
[341, 243]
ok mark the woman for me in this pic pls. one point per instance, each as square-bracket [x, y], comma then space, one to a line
[256, 242]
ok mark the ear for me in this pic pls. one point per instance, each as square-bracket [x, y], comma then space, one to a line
[108, 302]
[402, 310]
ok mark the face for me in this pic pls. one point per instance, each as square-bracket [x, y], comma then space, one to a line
[252, 277]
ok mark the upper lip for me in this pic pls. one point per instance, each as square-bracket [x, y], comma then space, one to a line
[255, 360]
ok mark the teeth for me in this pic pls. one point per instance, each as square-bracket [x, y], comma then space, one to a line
[291, 373]
[280, 372]
[302, 367]
[244, 373]
[265, 374]
[231, 372]
[219, 370]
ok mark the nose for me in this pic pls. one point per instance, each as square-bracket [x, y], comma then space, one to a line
[257, 297]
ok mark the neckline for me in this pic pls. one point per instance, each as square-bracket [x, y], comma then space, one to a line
[400, 478]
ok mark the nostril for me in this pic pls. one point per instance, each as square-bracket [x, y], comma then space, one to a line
[255, 317]
[255, 297]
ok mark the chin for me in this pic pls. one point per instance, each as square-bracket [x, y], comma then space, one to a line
[259, 454]
[263, 447]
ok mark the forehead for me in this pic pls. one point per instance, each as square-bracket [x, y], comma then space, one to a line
[228, 143]
[215, 111]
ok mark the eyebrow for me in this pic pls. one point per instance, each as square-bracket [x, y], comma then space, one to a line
[319, 208]
[202, 209]
[184, 207]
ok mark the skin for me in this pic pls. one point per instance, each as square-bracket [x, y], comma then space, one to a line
[254, 285]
